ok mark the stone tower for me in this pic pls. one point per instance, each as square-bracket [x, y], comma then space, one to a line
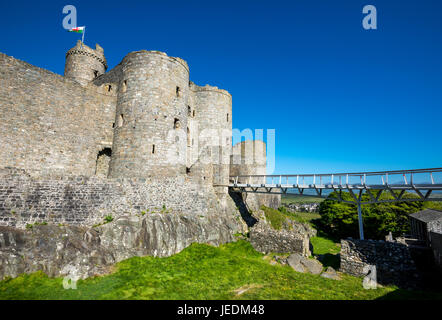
[214, 116]
[151, 117]
[249, 158]
[84, 64]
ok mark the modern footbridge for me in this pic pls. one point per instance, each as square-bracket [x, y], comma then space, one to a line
[423, 184]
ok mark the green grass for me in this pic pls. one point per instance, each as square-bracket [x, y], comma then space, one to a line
[433, 205]
[275, 217]
[303, 217]
[328, 250]
[297, 198]
[322, 245]
[279, 218]
[200, 272]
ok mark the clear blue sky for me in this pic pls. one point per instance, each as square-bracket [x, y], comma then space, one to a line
[340, 98]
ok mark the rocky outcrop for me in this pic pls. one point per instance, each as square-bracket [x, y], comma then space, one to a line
[303, 264]
[84, 252]
[265, 239]
[330, 273]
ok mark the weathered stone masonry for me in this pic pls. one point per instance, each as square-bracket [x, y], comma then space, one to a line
[393, 261]
[79, 200]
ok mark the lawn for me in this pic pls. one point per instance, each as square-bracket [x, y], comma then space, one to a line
[300, 199]
[231, 271]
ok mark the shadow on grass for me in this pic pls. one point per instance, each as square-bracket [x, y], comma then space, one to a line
[330, 260]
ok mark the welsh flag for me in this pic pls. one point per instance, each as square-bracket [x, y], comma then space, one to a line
[77, 29]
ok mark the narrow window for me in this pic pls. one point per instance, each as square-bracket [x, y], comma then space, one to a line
[120, 120]
[189, 111]
[176, 124]
[113, 125]
[178, 91]
[193, 113]
[95, 73]
[109, 88]
[188, 137]
[153, 149]
[227, 117]
[187, 170]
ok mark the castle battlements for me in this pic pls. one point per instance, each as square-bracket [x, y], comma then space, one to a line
[140, 137]
[143, 119]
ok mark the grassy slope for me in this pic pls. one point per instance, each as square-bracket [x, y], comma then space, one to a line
[199, 272]
[296, 198]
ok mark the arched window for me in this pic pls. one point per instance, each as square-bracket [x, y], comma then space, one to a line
[102, 163]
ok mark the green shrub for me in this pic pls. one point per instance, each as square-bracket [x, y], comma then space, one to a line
[108, 219]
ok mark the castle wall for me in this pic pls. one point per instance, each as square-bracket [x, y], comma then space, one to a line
[151, 117]
[51, 124]
[214, 116]
[79, 200]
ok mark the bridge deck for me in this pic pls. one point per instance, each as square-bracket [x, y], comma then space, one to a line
[415, 186]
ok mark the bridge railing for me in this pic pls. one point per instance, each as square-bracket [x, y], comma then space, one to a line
[392, 178]
[424, 183]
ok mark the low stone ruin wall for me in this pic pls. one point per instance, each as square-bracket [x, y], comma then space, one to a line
[392, 260]
[436, 246]
[265, 239]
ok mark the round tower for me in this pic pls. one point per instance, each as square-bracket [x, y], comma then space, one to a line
[84, 64]
[150, 136]
[214, 116]
[249, 158]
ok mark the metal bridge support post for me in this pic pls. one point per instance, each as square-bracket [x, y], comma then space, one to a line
[361, 225]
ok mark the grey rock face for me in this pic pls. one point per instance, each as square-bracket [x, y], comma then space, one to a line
[265, 239]
[59, 251]
[312, 266]
[330, 273]
[303, 264]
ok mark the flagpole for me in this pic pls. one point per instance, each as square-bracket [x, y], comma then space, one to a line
[84, 31]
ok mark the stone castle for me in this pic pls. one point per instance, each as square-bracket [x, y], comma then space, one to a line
[138, 138]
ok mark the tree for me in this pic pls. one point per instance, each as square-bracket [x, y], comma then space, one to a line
[340, 219]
